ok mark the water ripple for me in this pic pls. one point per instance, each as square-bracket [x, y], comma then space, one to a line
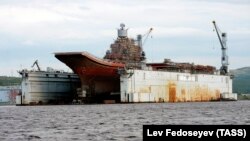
[111, 121]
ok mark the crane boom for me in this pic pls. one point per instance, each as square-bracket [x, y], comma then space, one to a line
[216, 29]
[139, 38]
[147, 34]
[141, 43]
[224, 58]
[36, 63]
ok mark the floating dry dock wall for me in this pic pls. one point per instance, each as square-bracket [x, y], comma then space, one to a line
[43, 87]
[160, 86]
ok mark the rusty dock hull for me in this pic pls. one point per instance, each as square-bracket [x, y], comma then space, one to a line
[98, 76]
[160, 86]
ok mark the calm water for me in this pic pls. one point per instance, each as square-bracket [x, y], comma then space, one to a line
[111, 122]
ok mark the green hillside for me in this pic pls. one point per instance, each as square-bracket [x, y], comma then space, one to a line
[241, 81]
[7, 81]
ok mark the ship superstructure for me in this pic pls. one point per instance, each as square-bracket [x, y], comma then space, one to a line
[126, 50]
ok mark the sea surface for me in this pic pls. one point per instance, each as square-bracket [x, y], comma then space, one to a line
[111, 121]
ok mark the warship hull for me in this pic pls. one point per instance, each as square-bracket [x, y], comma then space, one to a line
[98, 76]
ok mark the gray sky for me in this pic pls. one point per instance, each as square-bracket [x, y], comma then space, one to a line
[183, 30]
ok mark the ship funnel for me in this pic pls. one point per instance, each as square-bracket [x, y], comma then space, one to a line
[122, 32]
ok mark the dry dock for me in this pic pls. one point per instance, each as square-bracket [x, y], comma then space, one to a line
[47, 87]
[161, 86]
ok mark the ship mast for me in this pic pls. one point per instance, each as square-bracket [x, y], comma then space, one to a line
[122, 32]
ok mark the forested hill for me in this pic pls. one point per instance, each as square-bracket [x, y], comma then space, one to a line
[8, 81]
[241, 81]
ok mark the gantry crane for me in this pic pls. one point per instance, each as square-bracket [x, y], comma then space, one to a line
[224, 57]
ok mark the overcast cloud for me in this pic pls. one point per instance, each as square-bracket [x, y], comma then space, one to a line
[183, 30]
